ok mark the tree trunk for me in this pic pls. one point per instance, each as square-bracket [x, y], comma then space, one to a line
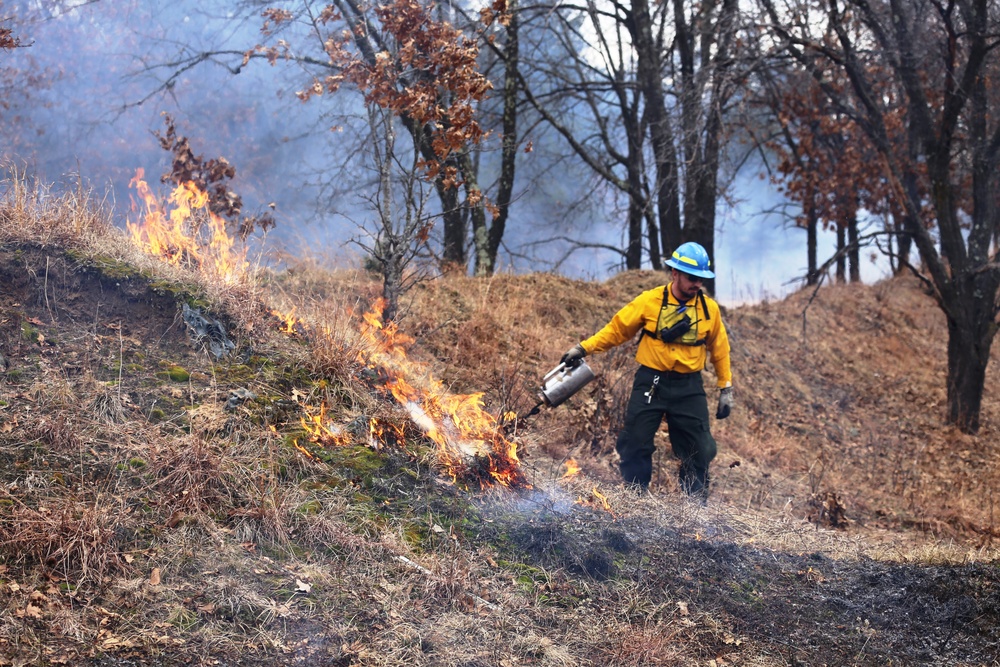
[633, 249]
[453, 254]
[812, 240]
[453, 257]
[853, 251]
[968, 356]
[841, 259]
[653, 238]
[666, 190]
[637, 202]
[488, 243]
[702, 145]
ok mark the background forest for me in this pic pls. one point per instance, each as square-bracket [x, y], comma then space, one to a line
[427, 125]
[580, 199]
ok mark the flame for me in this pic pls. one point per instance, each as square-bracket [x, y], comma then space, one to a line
[189, 235]
[470, 441]
[597, 500]
[572, 469]
[288, 323]
[320, 432]
[602, 498]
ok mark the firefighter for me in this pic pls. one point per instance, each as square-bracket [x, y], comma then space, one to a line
[680, 327]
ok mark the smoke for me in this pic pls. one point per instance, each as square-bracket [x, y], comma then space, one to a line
[98, 77]
[107, 72]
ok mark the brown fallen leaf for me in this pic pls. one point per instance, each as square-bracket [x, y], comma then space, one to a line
[154, 577]
[30, 611]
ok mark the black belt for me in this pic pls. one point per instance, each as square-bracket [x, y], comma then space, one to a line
[672, 375]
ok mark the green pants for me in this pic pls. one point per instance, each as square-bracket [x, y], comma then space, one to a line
[680, 397]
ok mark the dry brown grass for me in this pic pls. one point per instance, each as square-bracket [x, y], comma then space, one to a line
[144, 520]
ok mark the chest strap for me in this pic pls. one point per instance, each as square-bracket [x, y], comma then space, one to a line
[704, 306]
[656, 336]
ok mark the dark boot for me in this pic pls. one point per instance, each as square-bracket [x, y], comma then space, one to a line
[694, 481]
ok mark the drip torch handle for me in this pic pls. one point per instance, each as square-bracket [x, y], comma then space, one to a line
[558, 369]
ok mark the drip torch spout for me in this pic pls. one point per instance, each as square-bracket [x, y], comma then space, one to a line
[534, 411]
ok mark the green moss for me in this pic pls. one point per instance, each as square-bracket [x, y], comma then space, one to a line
[157, 415]
[235, 373]
[310, 507]
[263, 363]
[110, 267]
[415, 534]
[14, 374]
[137, 463]
[173, 372]
[188, 293]
[29, 333]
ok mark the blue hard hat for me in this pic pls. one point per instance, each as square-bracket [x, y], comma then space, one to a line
[691, 258]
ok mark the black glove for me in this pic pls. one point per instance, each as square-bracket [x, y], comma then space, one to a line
[725, 403]
[573, 356]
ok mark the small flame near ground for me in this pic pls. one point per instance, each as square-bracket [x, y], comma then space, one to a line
[572, 469]
[186, 233]
[288, 323]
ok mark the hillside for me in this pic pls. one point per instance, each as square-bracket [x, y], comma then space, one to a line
[168, 500]
[840, 394]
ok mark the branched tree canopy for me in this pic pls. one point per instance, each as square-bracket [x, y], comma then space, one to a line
[922, 87]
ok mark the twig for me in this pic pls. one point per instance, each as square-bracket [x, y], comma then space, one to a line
[45, 288]
[424, 570]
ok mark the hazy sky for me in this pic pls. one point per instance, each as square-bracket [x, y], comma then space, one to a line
[90, 123]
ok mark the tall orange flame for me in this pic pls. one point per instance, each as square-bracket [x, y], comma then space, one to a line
[189, 234]
[470, 441]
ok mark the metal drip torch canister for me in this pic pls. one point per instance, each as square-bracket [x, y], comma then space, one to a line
[563, 381]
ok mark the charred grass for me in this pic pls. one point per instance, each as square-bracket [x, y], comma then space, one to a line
[150, 516]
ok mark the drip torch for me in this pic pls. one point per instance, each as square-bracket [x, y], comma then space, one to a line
[560, 383]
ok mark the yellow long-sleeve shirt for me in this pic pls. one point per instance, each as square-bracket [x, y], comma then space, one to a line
[644, 312]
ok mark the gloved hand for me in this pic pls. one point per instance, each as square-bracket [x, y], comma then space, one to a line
[725, 403]
[573, 356]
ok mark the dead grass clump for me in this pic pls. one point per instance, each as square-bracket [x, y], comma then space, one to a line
[240, 603]
[109, 406]
[60, 432]
[321, 522]
[188, 478]
[650, 643]
[266, 513]
[335, 352]
[31, 212]
[76, 539]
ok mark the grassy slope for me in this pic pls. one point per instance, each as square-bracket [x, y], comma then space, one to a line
[141, 521]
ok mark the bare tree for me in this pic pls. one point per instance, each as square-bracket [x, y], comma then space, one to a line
[656, 81]
[942, 57]
[402, 226]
